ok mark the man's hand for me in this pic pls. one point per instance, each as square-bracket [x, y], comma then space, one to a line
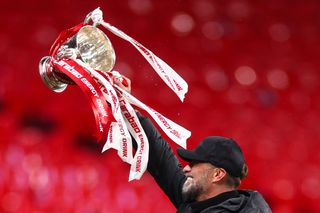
[122, 82]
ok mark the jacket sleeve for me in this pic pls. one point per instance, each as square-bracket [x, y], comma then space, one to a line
[163, 165]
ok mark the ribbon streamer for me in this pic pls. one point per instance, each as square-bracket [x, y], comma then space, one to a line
[118, 136]
[167, 74]
[79, 75]
[174, 131]
[140, 162]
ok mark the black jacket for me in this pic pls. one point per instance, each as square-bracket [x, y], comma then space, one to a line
[164, 166]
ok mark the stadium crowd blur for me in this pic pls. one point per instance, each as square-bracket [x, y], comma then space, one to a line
[253, 72]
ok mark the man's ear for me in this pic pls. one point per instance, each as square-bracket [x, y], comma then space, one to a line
[218, 174]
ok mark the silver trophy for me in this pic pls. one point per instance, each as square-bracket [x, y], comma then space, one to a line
[90, 45]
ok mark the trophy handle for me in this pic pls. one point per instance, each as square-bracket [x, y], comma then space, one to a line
[48, 76]
[96, 16]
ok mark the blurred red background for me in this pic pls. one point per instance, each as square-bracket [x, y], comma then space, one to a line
[252, 70]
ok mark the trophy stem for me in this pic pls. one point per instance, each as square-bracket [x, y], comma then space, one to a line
[51, 78]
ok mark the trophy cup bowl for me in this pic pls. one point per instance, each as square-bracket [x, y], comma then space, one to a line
[90, 45]
[95, 48]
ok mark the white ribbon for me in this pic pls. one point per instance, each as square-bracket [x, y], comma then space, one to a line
[167, 74]
[140, 161]
[118, 136]
[174, 131]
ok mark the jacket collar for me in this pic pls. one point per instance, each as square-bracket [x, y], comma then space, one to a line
[201, 205]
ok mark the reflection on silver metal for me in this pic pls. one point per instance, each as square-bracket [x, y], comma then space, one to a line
[95, 48]
[87, 18]
[48, 77]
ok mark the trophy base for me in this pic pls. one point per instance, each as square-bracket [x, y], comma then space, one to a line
[48, 77]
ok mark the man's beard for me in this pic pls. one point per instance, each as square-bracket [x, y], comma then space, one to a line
[191, 189]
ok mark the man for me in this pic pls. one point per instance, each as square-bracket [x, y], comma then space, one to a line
[209, 183]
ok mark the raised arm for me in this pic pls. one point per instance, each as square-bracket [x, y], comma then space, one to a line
[163, 165]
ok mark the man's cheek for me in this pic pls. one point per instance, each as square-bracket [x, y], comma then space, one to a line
[188, 183]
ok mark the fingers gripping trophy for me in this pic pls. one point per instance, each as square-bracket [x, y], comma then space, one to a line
[84, 56]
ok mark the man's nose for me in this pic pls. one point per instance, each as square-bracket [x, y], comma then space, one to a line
[186, 169]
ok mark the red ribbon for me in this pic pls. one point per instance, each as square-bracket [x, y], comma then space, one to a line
[63, 37]
[102, 112]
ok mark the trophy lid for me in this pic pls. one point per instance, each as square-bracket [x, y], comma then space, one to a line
[95, 48]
